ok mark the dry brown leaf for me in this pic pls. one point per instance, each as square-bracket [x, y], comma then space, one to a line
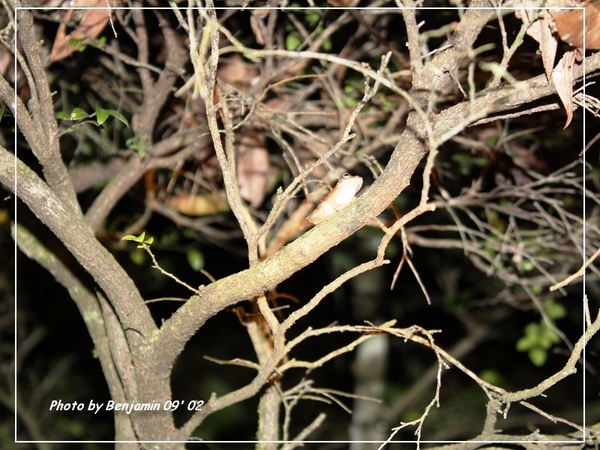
[569, 26]
[562, 78]
[199, 205]
[541, 31]
[238, 73]
[256, 25]
[90, 26]
[252, 168]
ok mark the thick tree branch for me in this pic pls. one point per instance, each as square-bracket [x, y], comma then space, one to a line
[44, 122]
[80, 241]
[90, 311]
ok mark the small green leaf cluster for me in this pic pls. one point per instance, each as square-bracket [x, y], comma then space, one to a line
[141, 239]
[538, 337]
[96, 126]
[80, 44]
[312, 19]
[138, 145]
[101, 115]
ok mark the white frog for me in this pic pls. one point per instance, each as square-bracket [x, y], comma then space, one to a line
[342, 194]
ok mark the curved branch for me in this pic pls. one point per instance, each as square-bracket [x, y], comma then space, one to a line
[90, 311]
[267, 274]
[43, 123]
[80, 241]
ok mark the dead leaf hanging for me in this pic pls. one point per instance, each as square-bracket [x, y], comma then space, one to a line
[91, 24]
[562, 78]
[252, 167]
[541, 31]
[569, 26]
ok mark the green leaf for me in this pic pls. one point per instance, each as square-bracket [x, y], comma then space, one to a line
[195, 259]
[99, 43]
[537, 289]
[554, 310]
[524, 344]
[538, 356]
[138, 145]
[101, 115]
[138, 257]
[293, 41]
[76, 114]
[531, 338]
[120, 117]
[141, 239]
[170, 237]
[77, 43]
[548, 337]
[313, 17]
[492, 376]
[527, 266]
[63, 115]
[79, 114]
[131, 237]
